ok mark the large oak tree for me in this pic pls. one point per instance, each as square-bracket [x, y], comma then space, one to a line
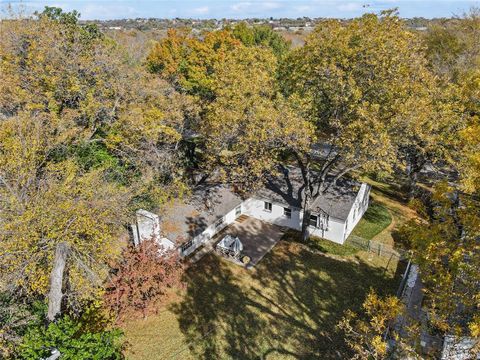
[366, 88]
[79, 124]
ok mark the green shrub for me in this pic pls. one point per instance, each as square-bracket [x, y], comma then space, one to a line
[67, 336]
[94, 155]
[17, 314]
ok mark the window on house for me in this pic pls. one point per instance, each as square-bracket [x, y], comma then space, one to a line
[313, 220]
[238, 210]
[267, 206]
[219, 223]
[186, 245]
[287, 212]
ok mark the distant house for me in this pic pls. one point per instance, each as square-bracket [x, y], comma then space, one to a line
[212, 207]
[459, 348]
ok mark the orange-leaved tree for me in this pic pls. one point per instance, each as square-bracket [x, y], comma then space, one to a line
[142, 278]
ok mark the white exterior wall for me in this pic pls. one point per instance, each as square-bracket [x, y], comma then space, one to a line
[255, 208]
[335, 231]
[358, 209]
[229, 217]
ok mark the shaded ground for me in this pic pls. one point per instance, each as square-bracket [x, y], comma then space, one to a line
[258, 237]
[285, 308]
[389, 195]
[317, 244]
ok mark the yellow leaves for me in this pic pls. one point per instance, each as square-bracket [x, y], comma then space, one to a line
[38, 280]
[474, 327]
[367, 88]
[248, 124]
[379, 345]
[155, 127]
[61, 90]
[447, 251]
[143, 127]
[365, 334]
[166, 55]
[191, 61]
[470, 161]
[49, 69]
[154, 115]
[24, 145]
[80, 209]
[380, 310]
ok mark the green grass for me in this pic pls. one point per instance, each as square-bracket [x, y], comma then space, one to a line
[287, 307]
[322, 245]
[389, 194]
[375, 219]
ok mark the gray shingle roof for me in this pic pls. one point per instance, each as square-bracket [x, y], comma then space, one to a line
[288, 186]
[187, 219]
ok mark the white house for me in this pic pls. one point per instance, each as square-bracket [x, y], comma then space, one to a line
[212, 207]
[459, 348]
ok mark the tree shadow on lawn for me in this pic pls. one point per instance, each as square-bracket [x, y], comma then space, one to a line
[377, 213]
[214, 314]
[390, 188]
[287, 308]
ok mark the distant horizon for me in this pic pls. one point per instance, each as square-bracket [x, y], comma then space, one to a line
[238, 10]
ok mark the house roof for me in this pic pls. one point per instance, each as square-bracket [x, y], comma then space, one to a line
[287, 188]
[189, 218]
[209, 202]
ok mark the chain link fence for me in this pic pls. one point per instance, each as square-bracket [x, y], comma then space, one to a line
[376, 248]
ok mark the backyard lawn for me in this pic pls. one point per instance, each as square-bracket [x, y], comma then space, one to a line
[287, 307]
[389, 194]
[375, 219]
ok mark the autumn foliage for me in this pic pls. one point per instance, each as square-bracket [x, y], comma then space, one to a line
[143, 278]
[365, 336]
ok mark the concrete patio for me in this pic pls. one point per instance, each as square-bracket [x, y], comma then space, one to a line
[257, 237]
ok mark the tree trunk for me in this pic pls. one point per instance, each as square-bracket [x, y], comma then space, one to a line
[412, 184]
[415, 164]
[306, 218]
[56, 281]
